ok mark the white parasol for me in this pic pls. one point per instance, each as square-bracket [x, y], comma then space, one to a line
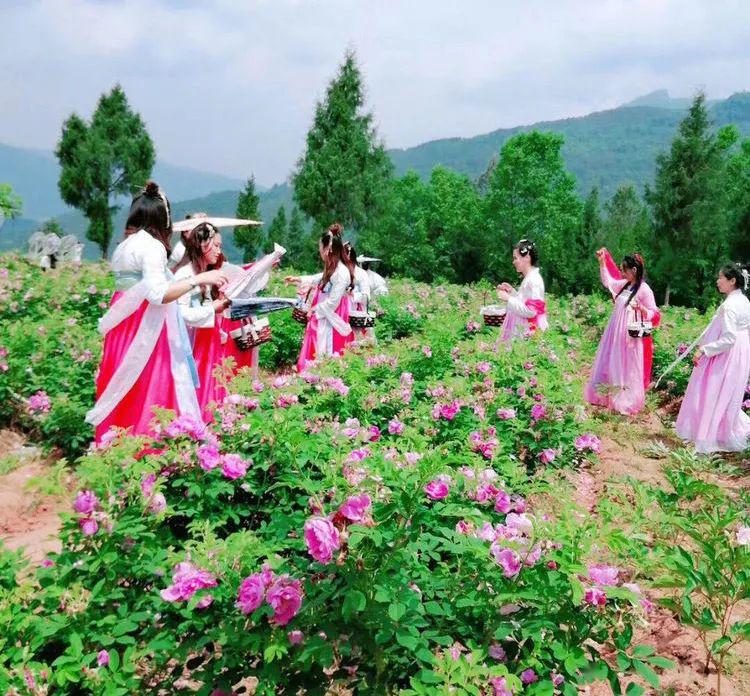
[185, 225]
[255, 279]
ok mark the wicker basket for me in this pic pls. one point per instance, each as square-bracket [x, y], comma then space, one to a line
[361, 319]
[493, 315]
[639, 328]
[299, 314]
[252, 333]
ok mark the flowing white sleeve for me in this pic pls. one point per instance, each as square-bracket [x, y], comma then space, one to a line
[729, 330]
[308, 283]
[198, 315]
[517, 302]
[153, 262]
[361, 293]
[327, 308]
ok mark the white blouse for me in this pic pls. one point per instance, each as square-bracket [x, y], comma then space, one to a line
[734, 315]
[531, 288]
[331, 295]
[361, 292]
[145, 255]
[197, 312]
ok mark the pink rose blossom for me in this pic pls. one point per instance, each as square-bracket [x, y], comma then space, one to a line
[538, 411]
[285, 597]
[506, 413]
[102, 658]
[357, 455]
[743, 536]
[503, 503]
[587, 442]
[89, 526]
[233, 466]
[427, 351]
[500, 687]
[496, 652]
[464, 527]
[158, 504]
[507, 559]
[209, 457]
[548, 456]
[373, 433]
[395, 427]
[412, 457]
[322, 539]
[595, 597]
[38, 403]
[357, 508]
[86, 502]
[437, 490]
[252, 591]
[528, 676]
[295, 637]
[187, 579]
[604, 574]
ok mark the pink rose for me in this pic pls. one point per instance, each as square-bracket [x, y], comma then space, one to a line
[295, 637]
[322, 539]
[208, 457]
[548, 456]
[508, 560]
[251, 593]
[357, 508]
[604, 574]
[437, 490]
[86, 502]
[395, 427]
[595, 597]
[187, 579]
[89, 526]
[285, 597]
[500, 687]
[464, 527]
[496, 652]
[102, 658]
[506, 413]
[503, 503]
[233, 466]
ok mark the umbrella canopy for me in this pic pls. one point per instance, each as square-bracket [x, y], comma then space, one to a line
[252, 306]
[366, 259]
[252, 281]
[184, 225]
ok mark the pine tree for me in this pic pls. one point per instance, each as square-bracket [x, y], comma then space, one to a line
[248, 238]
[298, 242]
[686, 202]
[10, 203]
[101, 161]
[344, 171]
[278, 231]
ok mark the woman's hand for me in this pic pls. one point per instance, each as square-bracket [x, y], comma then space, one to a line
[292, 280]
[503, 295]
[217, 277]
[601, 255]
[507, 287]
[697, 356]
[220, 305]
[637, 306]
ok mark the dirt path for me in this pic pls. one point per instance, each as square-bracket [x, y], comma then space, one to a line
[28, 518]
[632, 448]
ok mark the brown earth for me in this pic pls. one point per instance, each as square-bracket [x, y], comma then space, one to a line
[28, 519]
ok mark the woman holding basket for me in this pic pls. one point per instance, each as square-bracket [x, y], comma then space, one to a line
[327, 331]
[622, 367]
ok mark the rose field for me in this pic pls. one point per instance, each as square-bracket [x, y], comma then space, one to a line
[435, 514]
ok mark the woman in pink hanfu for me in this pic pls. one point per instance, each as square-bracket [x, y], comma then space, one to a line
[328, 331]
[146, 361]
[622, 367]
[526, 309]
[202, 308]
[711, 415]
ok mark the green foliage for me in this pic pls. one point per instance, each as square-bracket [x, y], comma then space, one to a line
[301, 245]
[345, 170]
[248, 238]
[10, 202]
[101, 161]
[278, 230]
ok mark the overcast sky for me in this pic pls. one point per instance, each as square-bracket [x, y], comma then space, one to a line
[230, 86]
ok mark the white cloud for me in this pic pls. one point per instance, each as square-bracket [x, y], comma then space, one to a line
[231, 85]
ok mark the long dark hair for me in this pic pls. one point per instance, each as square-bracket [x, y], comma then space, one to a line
[737, 272]
[634, 262]
[525, 247]
[150, 211]
[331, 240]
[194, 254]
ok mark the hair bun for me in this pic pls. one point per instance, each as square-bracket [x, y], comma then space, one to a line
[151, 189]
[336, 229]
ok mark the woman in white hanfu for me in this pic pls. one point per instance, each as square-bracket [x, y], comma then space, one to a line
[146, 361]
[526, 309]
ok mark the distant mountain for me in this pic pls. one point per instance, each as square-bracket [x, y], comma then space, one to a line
[660, 98]
[33, 174]
[603, 149]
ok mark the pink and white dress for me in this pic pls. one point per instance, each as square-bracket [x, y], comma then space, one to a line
[526, 311]
[711, 415]
[622, 367]
[328, 331]
[204, 330]
[146, 360]
[242, 358]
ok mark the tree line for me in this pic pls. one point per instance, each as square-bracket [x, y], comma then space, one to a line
[694, 217]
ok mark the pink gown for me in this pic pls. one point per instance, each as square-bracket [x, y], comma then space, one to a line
[526, 311]
[242, 358]
[328, 331]
[622, 367]
[145, 361]
[711, 415]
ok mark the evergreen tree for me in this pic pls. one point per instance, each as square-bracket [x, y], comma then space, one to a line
[344, 171]
[248, 238]
[627, 228]
[299, 243]
[109, 158]
[686, 202]
[592, 218]
[278, 230]
[531, 195]
[10, 203]
[738, 203]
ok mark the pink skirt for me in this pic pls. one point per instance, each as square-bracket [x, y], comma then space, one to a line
[208, 354]
[310, 350]
[711, 414]
[153, 388]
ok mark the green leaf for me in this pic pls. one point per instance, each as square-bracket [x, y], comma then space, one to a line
[634, 690]
[354, 603]
[396, 611]
[406, 639]
[647, 673]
